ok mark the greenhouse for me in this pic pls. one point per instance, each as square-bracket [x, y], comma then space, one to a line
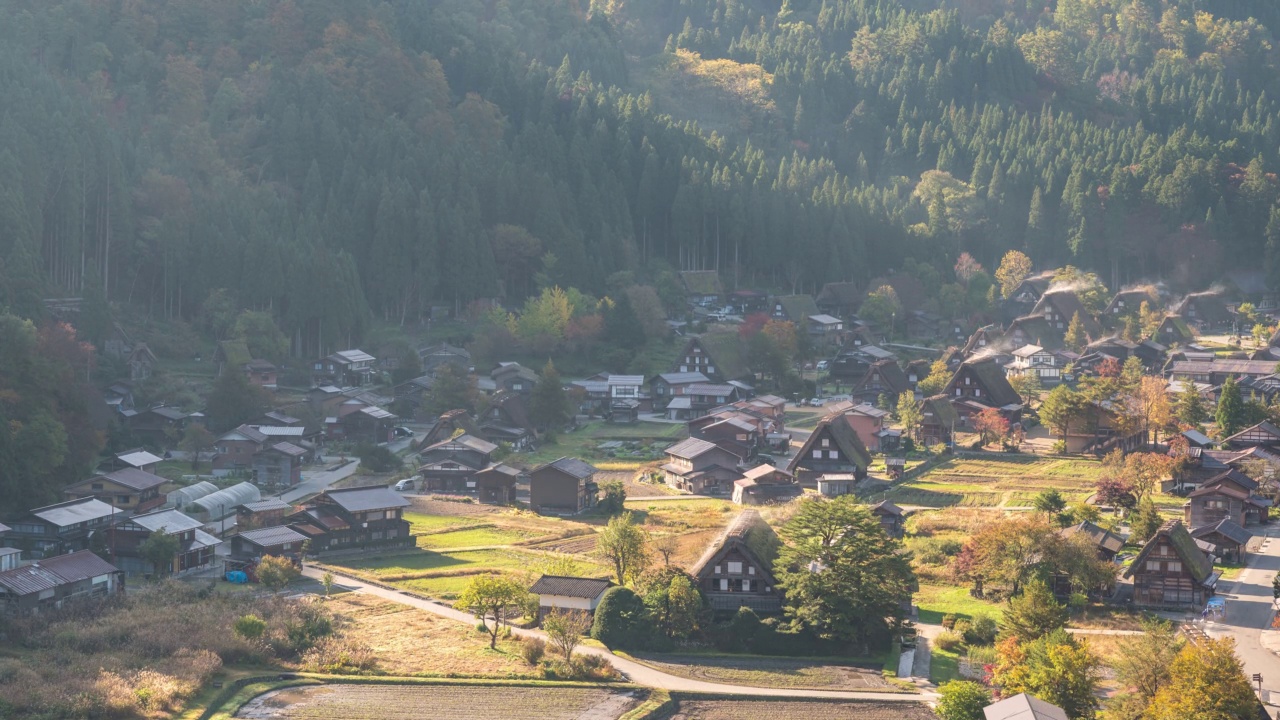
[182, 497]
[218, 505]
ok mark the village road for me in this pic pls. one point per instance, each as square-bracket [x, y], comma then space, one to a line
[1249, 612]
[636, 672]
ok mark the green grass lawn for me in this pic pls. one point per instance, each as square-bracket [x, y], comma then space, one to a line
[585, 443]
[944, 665]
[935, 601]
[474, 537]
[422, 522]
[176, 469]
[445, 574]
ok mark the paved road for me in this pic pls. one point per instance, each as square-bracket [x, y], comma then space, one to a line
[636, 672]
[318, 480]
[1249, 612]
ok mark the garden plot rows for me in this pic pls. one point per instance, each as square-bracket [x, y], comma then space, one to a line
[771, 672]
[439, 702]
[815, 710]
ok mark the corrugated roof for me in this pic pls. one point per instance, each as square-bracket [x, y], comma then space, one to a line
[626, 379]
[171, 521]
[576, 587]
[138, 458]
[278, 431]
[267, 505]
[77, 566]
[353, 356]
[714, 389]
[689, 449]
[573, 466]
[288, 449]
[684, 378]
[132, 478]
[75, 511]
[28, 579]
[271, 536]
[362, 499]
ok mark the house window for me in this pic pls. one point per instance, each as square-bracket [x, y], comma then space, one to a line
[711, 369]
[1153, 566]
[1173, 566]
[717, 570]
[517, 386]
[826, 442]
[746, 586]
[735, 568]
[122, 498]
[97, 486]
[817, 454]
[833, 454]
[751, 570]
[977, 392]
[957, 392]
[724, 584]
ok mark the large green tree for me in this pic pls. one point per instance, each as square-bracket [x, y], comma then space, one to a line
[549, 403]
[844, 578]
[1231, 410]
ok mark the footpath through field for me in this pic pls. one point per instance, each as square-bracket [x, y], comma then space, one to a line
[636, 672]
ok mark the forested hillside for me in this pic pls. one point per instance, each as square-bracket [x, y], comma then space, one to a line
[332, 161]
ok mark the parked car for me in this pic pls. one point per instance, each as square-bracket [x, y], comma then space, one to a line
[403, 432]
[823, 364]
[406, 485]
[816, 402]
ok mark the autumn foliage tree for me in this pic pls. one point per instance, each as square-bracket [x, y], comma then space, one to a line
[992, 425]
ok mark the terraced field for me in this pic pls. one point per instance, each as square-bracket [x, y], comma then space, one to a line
[440, 702]
[445, 574]
[999, 481]
[475, 537]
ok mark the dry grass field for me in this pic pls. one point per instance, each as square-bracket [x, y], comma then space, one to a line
[795, 673]
[998, 481]
[407, 641]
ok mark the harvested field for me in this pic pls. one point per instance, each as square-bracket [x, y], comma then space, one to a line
[810, 710]
[430, 506]
[437, 702]
[408, 641]
[771, 672]
[422, 522]
[474, 537]
[445, 574]
[998, 481]
[578, 545]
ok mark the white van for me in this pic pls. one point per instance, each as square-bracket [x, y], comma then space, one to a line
[406, 485]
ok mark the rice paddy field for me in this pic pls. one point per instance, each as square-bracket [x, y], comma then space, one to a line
[764, 709]
[998, 481]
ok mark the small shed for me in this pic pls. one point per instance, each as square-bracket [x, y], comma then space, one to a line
[1023, 707]
[568, 593]
[280, 541]
[837, 484]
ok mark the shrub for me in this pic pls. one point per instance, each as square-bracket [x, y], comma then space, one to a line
[982, 655]
[962, 627]
[339, 656]
[1059, 447]
[948, 640]
[982, 631]
[378, 458]
[622, 620]
[532, 649]
[962, 700]
[949, 621]
[250, 627]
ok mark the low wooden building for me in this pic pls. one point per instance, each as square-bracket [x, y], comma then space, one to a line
[1171, 571]
[262, 513]
[277, 541]
[1230, 539]
[128, 489]
[195, 551]
[354, 518]
[765, 485]
[891, 518]
[563, 486]
[54, 581]
[62, 528]
[568, 593]
[699, 466]
[837, 484]
[736, 570]
[496, 484]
